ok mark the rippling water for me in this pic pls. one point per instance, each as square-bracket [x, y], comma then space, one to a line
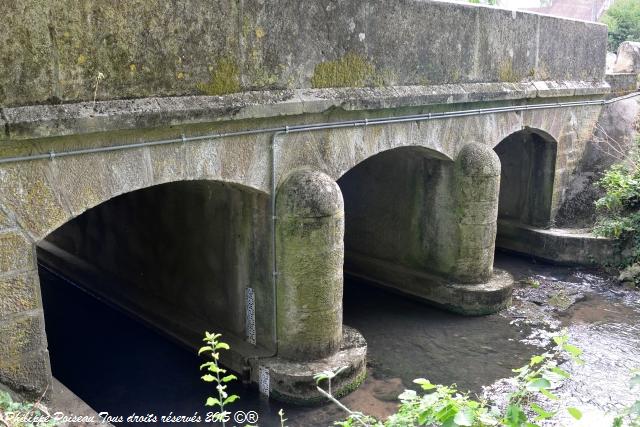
[120, 366]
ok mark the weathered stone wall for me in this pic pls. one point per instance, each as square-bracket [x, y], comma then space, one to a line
[37, 197]
[614, 136]
[189, 249]
[54, 51]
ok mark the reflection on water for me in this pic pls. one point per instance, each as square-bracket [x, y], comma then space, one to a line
[119, 365]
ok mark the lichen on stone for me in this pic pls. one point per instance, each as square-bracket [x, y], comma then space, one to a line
[225, 78]
[506, 73]
[351, 70]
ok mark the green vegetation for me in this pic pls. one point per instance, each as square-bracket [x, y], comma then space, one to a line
[22, 414]
[225, 78]
[216, 375]
[623, 20]
[351, 70]
[446, 406]
[618, 213]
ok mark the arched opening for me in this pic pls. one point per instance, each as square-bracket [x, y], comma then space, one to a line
[528, 160]
[182, 258]
[397, 215]
[402, 228]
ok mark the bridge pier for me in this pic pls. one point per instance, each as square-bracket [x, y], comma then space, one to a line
[309, 262]
[310, 254]
[426, 226]
[477, 186]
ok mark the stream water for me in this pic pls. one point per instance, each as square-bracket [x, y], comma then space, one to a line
[120, 366]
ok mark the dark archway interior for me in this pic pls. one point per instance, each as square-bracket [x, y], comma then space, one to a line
[397, 208]
[179, 256]
[526, 183]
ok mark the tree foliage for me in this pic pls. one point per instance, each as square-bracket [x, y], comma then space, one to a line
[623, 20]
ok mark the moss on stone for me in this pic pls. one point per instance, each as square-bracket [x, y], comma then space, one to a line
[506, 73]
[225, 78]
[351, 385]
[352, 70]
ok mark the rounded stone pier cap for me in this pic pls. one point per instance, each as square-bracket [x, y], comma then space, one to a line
[478, 160]
[307, 193]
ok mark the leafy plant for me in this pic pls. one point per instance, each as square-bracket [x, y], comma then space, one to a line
[618, 210]
[282, 418]
[216, 375]
[23, 414]
[623, 20]
[441, 405]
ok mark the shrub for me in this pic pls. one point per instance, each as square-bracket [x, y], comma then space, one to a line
[623, 20]
[618, 213]
[441, 405]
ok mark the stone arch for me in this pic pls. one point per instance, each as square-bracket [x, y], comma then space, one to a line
[336, 151]
[416, 222]
[38, 197]
[388, 198]
[528, 159]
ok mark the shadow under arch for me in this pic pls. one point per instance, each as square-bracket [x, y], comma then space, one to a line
[179, 256]
[528, 160]
[398, 206]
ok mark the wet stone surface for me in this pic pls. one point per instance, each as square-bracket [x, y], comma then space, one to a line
[602, 318]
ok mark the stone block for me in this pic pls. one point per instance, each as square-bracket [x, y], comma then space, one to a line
[30, 374]
[19, 293]
[16, 252]
[5, 220]
[27, 189]
[21, 335]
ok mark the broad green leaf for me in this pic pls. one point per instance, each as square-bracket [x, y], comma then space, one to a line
[572, 349]
[575, 413]
[424, 383]
[231, 399]
[515, 416]
[208, 378]
[543, 414]
[560, 339]
[223, 345]
[464, 417]
[538, 384]
[212, 401]
[229, 378]
[536, 359]
[447, 413]
[204, 365]
[203, 349]
[560, 372]
[548, 394]
[213, 368]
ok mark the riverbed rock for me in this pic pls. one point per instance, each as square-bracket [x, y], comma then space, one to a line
[630, 275]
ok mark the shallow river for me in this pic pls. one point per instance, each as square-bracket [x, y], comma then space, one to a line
[120, 366]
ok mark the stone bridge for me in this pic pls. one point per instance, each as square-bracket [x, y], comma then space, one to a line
[294, 141]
